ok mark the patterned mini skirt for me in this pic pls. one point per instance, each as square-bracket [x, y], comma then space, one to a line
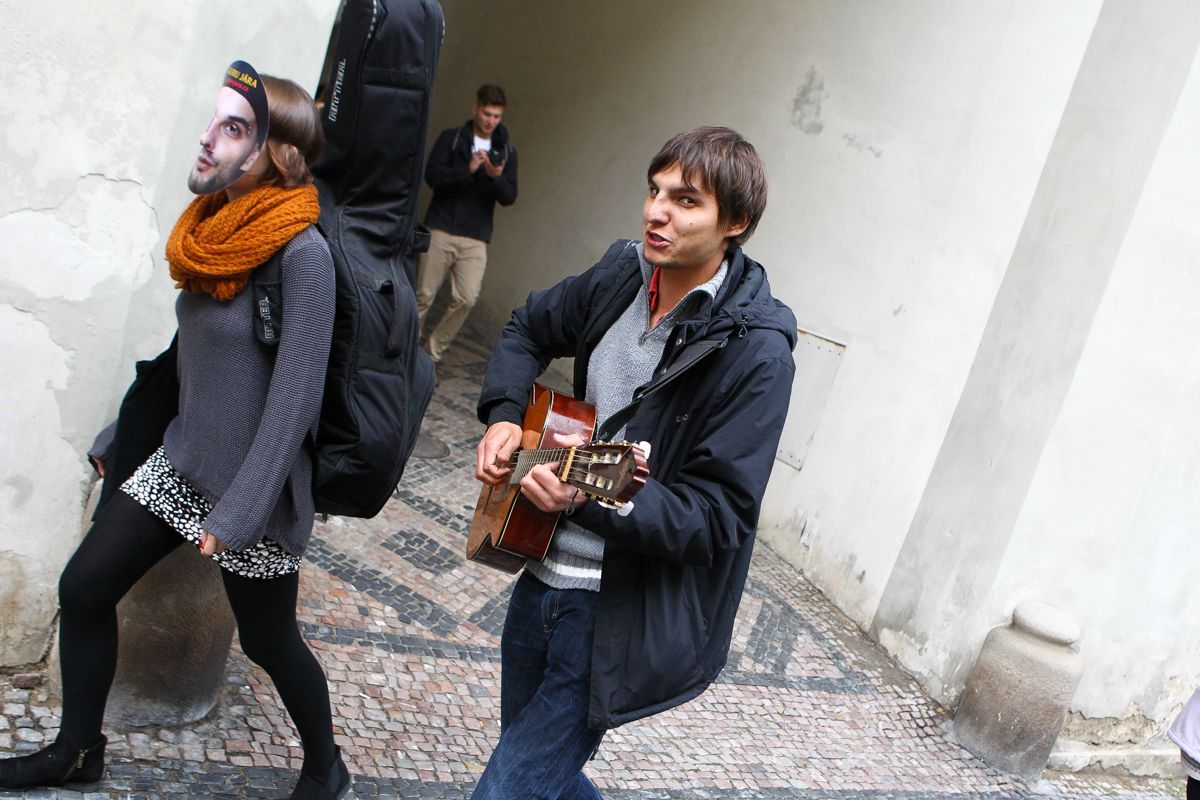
[167, 495]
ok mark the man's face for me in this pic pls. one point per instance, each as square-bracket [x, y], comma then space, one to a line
[486, 119]
[679, 224]
[227, 146]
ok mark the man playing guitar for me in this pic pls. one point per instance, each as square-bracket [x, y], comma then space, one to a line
[677, 342]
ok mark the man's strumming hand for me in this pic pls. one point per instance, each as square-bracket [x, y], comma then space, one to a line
[495, 449]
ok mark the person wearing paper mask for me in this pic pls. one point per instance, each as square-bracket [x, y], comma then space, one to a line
[231, 476]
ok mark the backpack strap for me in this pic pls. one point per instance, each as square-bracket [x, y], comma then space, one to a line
[267, 285]
[266, 282]
[688, 358]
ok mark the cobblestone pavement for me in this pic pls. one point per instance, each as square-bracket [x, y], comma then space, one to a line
[409, 636]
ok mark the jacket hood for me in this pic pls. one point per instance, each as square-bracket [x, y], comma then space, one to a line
[745, 302]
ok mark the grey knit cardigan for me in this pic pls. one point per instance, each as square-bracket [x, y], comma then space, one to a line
[244, 412]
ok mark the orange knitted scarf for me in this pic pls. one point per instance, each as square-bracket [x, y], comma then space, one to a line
[216, 244]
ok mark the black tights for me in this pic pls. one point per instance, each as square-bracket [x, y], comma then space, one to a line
[123, 544]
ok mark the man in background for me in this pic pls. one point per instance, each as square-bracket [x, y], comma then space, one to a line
[470, 169]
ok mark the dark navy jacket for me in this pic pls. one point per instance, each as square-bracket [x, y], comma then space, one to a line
[675, 567]
[463, 201]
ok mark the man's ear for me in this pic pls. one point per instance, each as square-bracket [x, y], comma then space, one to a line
[252, 158]
[735, 229]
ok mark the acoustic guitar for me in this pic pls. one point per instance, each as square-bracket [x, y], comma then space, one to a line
[507, 528]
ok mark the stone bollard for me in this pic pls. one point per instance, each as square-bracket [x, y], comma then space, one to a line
[175, 632]
[1018, 693]
[175, 629]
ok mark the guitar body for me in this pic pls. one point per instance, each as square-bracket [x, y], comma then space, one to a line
[507, 529]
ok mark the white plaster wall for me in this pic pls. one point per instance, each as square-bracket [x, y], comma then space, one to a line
[1121, 106]
[900, 255]
[903, 143]
[1110, 530]
[106, 103]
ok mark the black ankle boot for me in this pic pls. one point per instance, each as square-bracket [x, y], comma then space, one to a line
[60, 764]
[330, 786]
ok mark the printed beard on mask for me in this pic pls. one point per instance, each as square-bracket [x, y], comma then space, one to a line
[236, 134]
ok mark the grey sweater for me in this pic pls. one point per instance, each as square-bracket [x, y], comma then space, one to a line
[243, 414]
[624, 359]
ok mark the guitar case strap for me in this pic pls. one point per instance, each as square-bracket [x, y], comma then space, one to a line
[689, 357]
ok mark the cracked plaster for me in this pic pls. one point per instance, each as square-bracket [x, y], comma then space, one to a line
[39, 470]
[65, 252]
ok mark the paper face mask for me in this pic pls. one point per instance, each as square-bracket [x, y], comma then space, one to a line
[236, 134]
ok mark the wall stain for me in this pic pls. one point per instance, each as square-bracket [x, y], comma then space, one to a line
[806, 106]
[21, 490]
[854, 142]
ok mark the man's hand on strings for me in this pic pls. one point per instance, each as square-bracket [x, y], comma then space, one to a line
[495, 449]
[542, 486]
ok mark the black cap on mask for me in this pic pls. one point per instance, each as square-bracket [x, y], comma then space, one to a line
[244, 79]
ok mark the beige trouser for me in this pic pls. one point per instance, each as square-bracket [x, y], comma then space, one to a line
[465, 259]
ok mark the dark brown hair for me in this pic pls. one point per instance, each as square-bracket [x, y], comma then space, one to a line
[721, 161]
[490, 95]
[294, 137]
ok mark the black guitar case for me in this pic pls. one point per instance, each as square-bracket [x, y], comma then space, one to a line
[375, 94]
[375, 110]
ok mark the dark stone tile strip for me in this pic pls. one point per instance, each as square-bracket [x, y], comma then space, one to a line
[771, 643]
[393, 643]
[459, 523]
[457, 408]
[466, 444]
[411, 606]
[764, 646]
[755, 587]
[490, 617]
[422, 551]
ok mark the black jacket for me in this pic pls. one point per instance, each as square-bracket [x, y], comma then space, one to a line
[463, 201]
[675, 567]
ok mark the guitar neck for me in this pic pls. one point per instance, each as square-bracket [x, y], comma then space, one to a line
[523, 461]
[609, 471]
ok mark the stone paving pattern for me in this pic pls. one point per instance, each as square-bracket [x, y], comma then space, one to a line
[408, 633]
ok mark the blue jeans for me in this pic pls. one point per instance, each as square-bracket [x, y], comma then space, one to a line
[546, 667]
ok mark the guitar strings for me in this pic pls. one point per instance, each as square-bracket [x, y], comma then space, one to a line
[525, 460]
[538, 456]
